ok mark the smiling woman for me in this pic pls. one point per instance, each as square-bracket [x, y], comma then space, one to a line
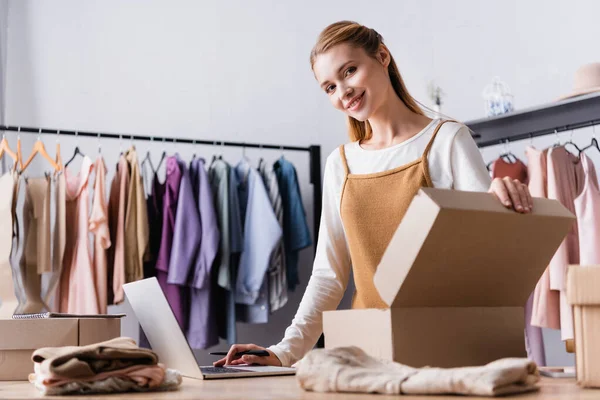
[395, 150]
[361, 70]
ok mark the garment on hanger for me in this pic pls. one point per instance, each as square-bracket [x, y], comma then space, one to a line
[202, 329]
[277, 279]
[78, 290]
[172, 292]
[516, 170]
[154, 207]
[59, 237]
[117, 206]
[8, 298]
[587, 207]
[99, 227]
[262, 233]
[186, 243]
[224, 186]
[36, 258]
[296, 235]
[565, 182]
[545, 311]
[136, 222]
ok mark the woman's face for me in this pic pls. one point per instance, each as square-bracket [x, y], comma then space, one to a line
[354, 82]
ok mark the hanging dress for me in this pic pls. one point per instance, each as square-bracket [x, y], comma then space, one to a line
[8, 297]
[78, 290]
[99, 227]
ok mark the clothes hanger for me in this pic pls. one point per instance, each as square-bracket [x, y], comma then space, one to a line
[260, 160]
[58, 156]
[194, 147]
[508, 155]
[214, 157]
[147, 158]
[594, 143]
[557, 143]
[244, 156]
[571, 143]
[38, 148]
[5, 148]
[76, 151]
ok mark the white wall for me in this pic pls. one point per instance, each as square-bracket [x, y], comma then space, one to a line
[236, 70]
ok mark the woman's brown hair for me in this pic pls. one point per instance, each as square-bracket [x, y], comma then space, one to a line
[360, 36]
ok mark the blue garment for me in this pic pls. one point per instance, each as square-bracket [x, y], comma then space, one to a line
[224, 186]
[261, 233]
[296, 235]
[202, 332]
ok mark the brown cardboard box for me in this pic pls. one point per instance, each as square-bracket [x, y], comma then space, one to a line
[20, 337]
[584, 296]
[456, 274]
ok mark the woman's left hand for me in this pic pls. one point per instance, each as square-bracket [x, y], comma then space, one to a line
[512, 193]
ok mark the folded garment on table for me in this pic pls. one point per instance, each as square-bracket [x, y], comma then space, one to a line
[117, 365]
[349, 369]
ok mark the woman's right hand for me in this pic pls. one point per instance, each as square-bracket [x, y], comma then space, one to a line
[231, 358]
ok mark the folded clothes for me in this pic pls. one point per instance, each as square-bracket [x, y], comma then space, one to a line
[137, 381]
[117, 365]
[83, 362]
[153, 375]
[349, 369]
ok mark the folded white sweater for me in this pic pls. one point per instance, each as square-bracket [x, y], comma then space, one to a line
[349, 369]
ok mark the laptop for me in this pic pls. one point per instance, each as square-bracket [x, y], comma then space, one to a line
[154, 314]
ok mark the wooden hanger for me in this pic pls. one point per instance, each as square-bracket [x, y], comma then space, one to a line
[5, 148]
[38, 148]
[58, 156]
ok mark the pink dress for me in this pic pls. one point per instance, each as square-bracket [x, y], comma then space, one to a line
[99, 227]
[546, 302]
[78, 290]
[587, 205]
[565, 182]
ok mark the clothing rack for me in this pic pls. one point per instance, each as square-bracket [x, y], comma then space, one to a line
[314, 152]
[553, 118]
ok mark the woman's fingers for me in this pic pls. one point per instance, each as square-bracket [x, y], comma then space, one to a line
[220, 362]
[233, 359]
[499, 190]
[513, 193]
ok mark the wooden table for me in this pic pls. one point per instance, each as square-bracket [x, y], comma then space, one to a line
[282, 388]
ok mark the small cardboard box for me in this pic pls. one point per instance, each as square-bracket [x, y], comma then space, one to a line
[583, 294]
[456, 275]
[20, 337]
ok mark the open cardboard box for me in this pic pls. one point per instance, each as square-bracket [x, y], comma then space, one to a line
[20, 337]
[456, 275]
[583, 294]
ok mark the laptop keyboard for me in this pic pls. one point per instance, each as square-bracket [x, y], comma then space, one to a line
[220, 370]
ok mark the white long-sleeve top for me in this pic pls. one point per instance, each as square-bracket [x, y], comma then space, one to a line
[454, 163]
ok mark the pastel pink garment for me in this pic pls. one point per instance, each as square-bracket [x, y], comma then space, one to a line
[587, 205]
[565, 182]
[78, 290]
[99, 227]
[546, 302]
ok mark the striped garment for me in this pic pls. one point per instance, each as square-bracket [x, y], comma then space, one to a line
[277, 280]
